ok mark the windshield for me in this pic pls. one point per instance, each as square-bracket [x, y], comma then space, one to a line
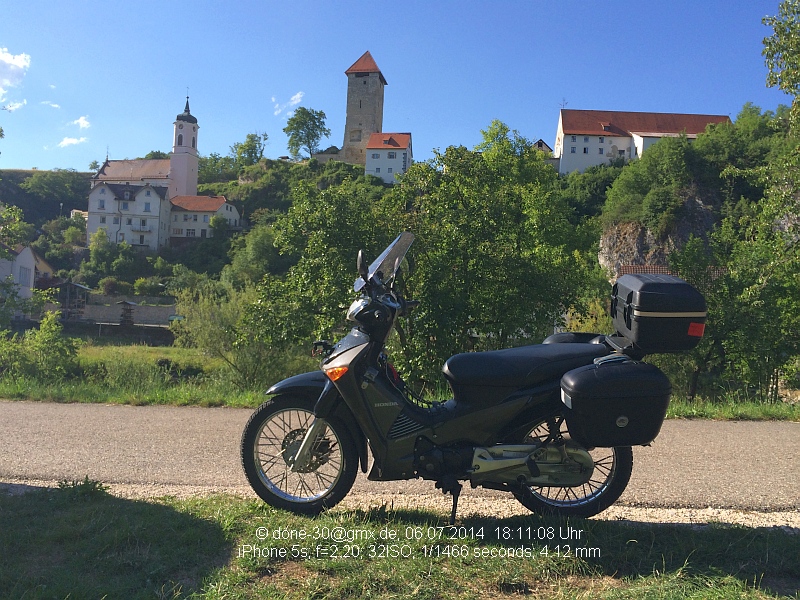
[388, 259]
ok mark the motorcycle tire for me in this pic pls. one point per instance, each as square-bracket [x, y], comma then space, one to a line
[612, 472]
[273, 434]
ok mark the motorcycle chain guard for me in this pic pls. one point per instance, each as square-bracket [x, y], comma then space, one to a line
[558, 465]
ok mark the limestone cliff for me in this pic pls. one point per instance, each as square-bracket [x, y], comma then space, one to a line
[633, 244]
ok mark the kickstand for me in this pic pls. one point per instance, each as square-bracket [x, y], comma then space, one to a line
[452, 486]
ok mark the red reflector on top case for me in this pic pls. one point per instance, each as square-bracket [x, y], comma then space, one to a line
[696, 329]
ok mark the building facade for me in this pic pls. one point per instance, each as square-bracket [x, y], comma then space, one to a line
[586, 138]
[134, 213]
[191, 216]
[388, 154]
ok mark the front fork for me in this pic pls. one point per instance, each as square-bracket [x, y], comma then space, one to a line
[322, 408]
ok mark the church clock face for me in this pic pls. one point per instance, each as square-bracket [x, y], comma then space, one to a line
[180, 126]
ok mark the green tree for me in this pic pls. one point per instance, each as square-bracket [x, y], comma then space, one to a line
[782, 53]
[305, 128]
[250, 151]
[158, 154]
[55, 192]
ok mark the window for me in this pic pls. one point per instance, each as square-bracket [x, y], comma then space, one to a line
[141, 239]
[190, 233]
[25, 276]
[203, 233]
[128, 221]
[193, 141]
[127, 195]
[194, 217]
[102, 190]
[205, 218]
[375, 155]
[103, 220]
[147, 193]
[101, 205]
[125, 204]
[144, 222]
[116, 220]
[185, 217]
[574, 138]
[180, 139]
[389, 170]
[392, 155]
[573, 150]
[147, 206]
[601, 151]
[121, 236]
[585, 150]
[602, 139]
[586, 139]
[177, 231]
[174, 218]
[377, 169]
[606, 127]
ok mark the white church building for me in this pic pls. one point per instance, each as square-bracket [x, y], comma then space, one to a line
[132, 199]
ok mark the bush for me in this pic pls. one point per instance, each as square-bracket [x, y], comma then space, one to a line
[44, 354]
[111, 286]
[150, 286]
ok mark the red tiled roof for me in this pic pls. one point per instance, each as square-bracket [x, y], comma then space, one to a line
[389, 140]
[614, 123]
[198, 203]
[365, 64]
[134, 170]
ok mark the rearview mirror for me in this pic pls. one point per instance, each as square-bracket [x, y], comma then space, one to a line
[362, 266]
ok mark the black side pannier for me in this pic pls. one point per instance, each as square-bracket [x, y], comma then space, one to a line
[657, 313]
[615, 402]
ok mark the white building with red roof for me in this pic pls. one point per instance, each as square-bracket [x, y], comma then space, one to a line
[388, 154]
[192, 216]
[586, 138]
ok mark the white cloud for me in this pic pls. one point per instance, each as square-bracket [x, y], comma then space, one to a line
[68, 141]
[293, 101]
[15, 106]
[12, 70]
[50, 104]
[82, 122]
[52, 87]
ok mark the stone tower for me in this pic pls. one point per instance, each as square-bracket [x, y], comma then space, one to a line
[183, 161]
[365, 85]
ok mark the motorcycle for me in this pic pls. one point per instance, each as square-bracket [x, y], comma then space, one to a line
[553, 423]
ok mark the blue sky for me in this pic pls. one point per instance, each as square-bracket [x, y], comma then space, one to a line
[78, 77]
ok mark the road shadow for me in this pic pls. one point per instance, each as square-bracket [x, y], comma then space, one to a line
[78, 541]
[762, 557]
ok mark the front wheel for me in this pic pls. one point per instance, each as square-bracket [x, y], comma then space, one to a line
[270, 440]
[612, 472]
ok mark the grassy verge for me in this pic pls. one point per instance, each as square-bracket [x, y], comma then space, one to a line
[80, 542]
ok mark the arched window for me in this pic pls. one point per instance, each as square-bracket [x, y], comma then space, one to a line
[193, 140]
[180, 139]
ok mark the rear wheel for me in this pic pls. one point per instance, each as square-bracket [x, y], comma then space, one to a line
[270, 440]
[612, 471]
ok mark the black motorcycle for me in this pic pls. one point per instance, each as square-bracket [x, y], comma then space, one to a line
[552, 423]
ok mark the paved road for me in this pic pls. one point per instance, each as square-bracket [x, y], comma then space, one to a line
[693, 464]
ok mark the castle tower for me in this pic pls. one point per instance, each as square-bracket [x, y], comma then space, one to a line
[365, 85]
[183, 160]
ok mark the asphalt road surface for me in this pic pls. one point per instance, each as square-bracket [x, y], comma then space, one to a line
[692, 464]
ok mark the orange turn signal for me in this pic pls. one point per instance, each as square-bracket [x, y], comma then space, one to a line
[335, 373]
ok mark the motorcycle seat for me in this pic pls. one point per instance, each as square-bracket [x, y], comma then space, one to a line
[525, 366]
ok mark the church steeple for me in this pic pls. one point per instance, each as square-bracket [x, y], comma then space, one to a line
[183, 162]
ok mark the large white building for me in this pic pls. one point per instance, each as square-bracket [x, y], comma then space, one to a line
[133, 199]
[586, 138]
[388, 154]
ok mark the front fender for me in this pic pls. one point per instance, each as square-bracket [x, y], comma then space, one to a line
[312, 385]
[307, 384]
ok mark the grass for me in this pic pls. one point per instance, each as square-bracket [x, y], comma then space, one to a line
[80, 542]
[147, 375]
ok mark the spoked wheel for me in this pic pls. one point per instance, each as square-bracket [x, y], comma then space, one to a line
[270, 441]
[612, 471]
